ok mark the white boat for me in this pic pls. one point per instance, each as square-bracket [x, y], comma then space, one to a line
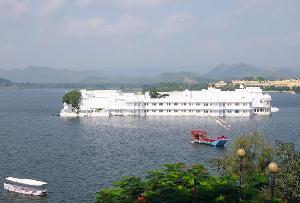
[274, 109]
[25, 186]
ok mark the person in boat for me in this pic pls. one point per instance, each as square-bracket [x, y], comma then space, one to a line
[203, 136]
[141, 198]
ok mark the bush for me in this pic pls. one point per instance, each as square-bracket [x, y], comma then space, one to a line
[288, 177]
[175, 183]
[296, 89]
[258, 156]
[153, 93]
[73, 98]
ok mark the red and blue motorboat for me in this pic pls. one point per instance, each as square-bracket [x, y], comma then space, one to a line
[201, 136]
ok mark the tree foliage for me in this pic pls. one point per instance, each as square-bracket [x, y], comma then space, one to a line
[230, 87]
[276, 88]
[72, 97]
[175, 183]
[178, 183]
[288, 177]
[254, 78]
[124, 191]
[297, 89]
[258, 156]
[153, 93]
[175, 86]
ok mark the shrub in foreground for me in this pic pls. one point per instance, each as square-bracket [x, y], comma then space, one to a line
[175, 183]
[256, 175]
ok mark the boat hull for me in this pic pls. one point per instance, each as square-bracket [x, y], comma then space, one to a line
[23, 190]
[201, 136]
[221, 142]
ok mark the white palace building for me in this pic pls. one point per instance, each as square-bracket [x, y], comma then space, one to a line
[207, 102]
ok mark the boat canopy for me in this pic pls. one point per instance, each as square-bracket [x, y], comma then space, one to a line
[26, 181]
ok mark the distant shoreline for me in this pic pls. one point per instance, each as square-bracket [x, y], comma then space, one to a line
[62, 87]
[277, 91]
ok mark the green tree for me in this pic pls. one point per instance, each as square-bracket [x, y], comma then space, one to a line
[258, 156]
[175, 183]
[72, 97]
[274, 88]
[288, 177]
[153, 93]
[124, 191]
[297, 89]
[179, 183]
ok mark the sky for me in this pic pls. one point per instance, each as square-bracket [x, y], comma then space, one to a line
[143, 34]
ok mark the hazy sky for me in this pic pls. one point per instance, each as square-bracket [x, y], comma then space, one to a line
[89, 34]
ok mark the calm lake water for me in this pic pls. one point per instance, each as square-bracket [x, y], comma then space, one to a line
[77, 157]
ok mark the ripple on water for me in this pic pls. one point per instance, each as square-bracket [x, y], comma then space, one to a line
[77, 157]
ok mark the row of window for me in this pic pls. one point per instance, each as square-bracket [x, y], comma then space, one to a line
[261, 110]
[191, 111]
[197, 104]
[197, 111]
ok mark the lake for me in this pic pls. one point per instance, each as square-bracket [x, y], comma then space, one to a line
[78, 157]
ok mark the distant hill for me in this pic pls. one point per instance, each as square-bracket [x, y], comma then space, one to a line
[95, 80]
[288, 73]
[180, 77]
[46, 75]
[37, 74]
[5, 83]
[242, 70]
